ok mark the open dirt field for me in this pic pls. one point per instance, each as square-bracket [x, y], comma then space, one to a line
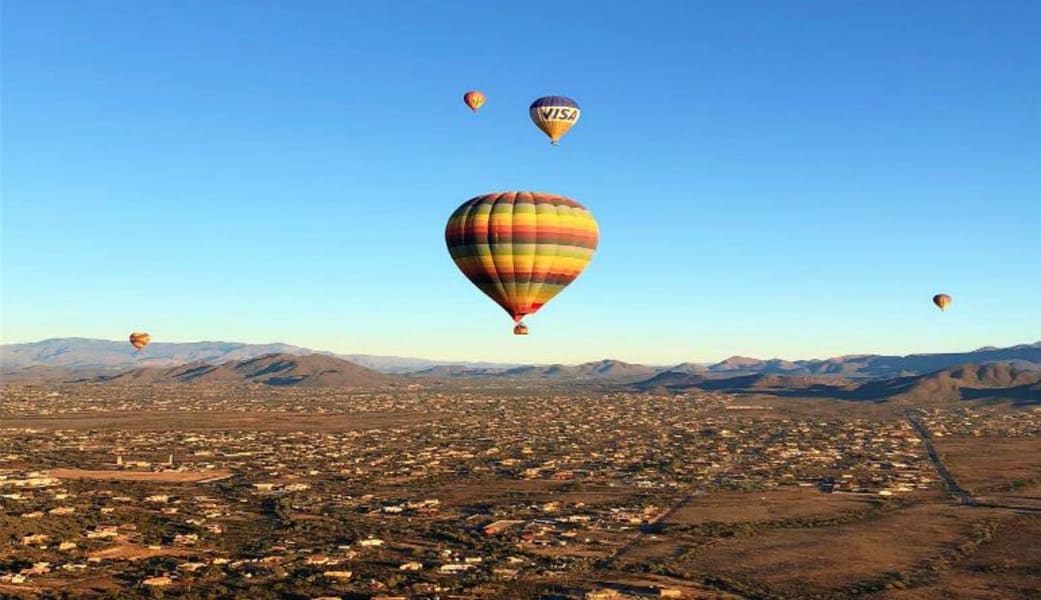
[1007, 567]
[983, 464]
[136, 552]
[771, 505]
[162, 477]
[825, 559]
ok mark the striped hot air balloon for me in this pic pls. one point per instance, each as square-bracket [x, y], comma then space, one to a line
[473, 99]
[139, 339]
[942, 300]
[521, 248]
[554, 115]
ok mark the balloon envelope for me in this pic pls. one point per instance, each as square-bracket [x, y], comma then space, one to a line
[554, 115]
[521, 248]
[139, 339]
[942, 300]
[473, 99]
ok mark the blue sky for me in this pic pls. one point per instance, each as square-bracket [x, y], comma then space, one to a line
[791, 179]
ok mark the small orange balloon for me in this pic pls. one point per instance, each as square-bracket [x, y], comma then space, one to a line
[139, 339]
[942, 300]
[473, 99]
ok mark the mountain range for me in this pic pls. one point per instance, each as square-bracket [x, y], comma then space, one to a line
[113, 356]
[90, 358]
[988, 373]
[989, 381]
[601, 370]
[314, 370]
[852, 367]
[869, 365]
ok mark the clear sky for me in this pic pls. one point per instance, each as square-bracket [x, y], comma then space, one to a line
[792, 179]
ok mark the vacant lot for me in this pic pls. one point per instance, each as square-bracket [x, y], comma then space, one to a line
[984, 464]
[163, 477]
[135, 552]
[1007, 567]
[829, 558]
[771, 505]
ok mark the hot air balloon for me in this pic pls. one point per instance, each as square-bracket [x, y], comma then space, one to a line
[473, 99]
[521, 248]
[554, 115]
[941, 300]
[139, 339]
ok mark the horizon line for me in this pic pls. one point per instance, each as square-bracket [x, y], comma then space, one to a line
[446, 362]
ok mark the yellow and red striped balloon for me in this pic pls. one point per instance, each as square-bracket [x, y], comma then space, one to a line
[521, 248]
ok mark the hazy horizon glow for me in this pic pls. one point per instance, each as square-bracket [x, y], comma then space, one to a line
[652, 362]
[794, 181]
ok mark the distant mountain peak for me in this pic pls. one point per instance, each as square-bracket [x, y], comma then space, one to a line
[81, 354]
[275, 369]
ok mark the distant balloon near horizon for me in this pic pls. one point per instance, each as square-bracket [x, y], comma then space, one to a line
[139, 339]
[942, 300]
[554, 115]
[474, 100]
[521, 248]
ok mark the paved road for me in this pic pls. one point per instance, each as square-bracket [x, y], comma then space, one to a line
[953, 488]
